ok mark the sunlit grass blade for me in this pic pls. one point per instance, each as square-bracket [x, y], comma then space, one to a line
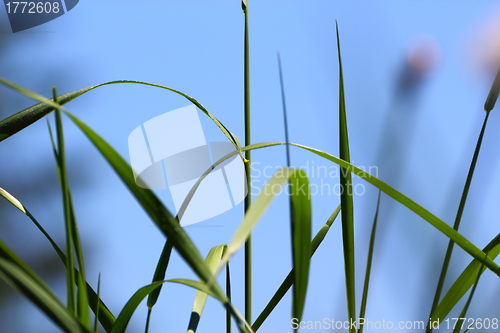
[463, 314]
[465, 281]
[288, 282]
[213, 259]
[106, 318]
[255, 212]
[458, 218]
[346, 200]
[240, 322]
[427, 216]
[159, 275]
[167, 224]
[38, 293]
[301, 236]
[24, 118]
[364, 297]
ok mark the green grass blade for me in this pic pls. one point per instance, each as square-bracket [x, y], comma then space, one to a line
[248, 172]
[228, 295]
[458, 218]
[346, 200]
[128, 310]
[364, 298]
[106, 318]
[301, 235]
[255, 212]
[7, 254]
[427, 216]
[160, 271]
[151, 204]
[465, 281]
[61, 166]
[82, 298]
[96, 318]
[288, 282]
[213, 259]
[24, 118]
[167, 224]
[159, 275]
[242, 325]
[39, 294]
[467, 303]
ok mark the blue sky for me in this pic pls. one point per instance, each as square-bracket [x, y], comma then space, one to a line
[197, 47]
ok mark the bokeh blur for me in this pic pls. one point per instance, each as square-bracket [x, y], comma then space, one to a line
[416, 78]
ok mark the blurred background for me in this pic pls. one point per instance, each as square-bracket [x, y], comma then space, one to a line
[416, 78]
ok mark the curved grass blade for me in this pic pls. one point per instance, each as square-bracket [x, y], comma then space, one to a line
[106, 318]
[38, 293]
[159, 275]
[167, 224]
[24, 118]
[128, 310]
[213, 258]
[288, 282]
[364, 298]
[301, 236]
[458, 218]
[465, 281]
[427, 216]
[204, 288]
[346, 200]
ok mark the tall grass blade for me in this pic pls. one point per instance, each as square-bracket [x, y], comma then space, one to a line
[458, 218]
[82, 298]
[300, 221]
[364, 298]
[71, 278]
[467, 303]
[465, 281]
[228, 295]
[290, 278]
[285, 115]
[213, 259]
[301, 235]
[159, 275]
[39, 294]
[248, 172]
[346, 200]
